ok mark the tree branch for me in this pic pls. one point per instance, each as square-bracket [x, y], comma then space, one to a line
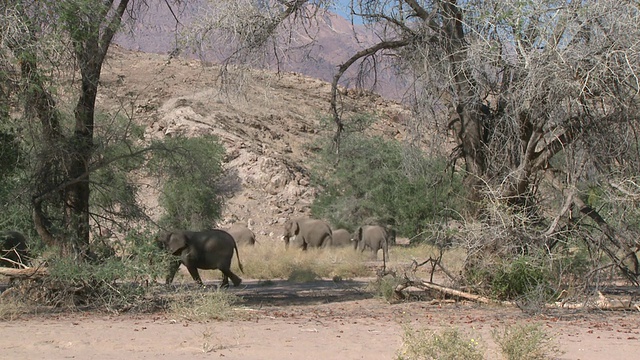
[385, 45]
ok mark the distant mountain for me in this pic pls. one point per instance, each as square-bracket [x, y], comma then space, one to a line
[336, 40]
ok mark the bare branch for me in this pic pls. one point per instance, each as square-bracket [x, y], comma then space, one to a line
[336, 79]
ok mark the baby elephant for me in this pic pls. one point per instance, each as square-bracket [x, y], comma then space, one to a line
[374, 238]
[242, 234]
[343, 238]
[208, 250]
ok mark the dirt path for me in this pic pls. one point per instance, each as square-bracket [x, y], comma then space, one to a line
[321, 320]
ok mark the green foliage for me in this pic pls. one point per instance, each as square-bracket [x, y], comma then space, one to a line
[523, 275]
[191, 168]
[449, 344]
[118, 156]
[525, 342]
[381, 181]
[13, 163]
[11, 154]
[113, 283]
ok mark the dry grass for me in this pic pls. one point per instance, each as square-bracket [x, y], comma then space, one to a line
[11, 306]
[447, 344]
[269, 260]
[274, 262]
[203, 306]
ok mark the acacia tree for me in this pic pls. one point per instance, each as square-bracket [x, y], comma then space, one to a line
[41, 42]
[537, 94]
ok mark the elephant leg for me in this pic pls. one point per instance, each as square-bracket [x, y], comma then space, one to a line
[225, 281]
[385, 251]
[194, 274]
[173, 268]
[230, 275]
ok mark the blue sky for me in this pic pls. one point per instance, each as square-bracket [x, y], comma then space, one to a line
[342, 7]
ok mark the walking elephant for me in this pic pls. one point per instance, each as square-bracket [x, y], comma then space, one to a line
[342, 238]
[242, 234]
[208, 250]
[13, 249]
[308, 233]
[374, 238]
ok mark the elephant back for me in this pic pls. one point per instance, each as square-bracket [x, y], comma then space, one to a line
[341, 238]
[242, 234]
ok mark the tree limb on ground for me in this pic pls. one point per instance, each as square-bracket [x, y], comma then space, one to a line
[25, 273]
[602, 303]
[450, 291]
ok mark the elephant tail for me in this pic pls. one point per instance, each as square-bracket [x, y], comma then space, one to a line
[238, 256]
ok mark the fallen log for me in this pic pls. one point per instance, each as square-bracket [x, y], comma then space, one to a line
[602, 303]
[464, 295]
[452, 292]
[25, 273]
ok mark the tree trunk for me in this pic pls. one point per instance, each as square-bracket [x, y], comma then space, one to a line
[466, 105]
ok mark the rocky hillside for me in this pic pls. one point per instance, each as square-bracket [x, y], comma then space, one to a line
[316, 50]
[269, 127]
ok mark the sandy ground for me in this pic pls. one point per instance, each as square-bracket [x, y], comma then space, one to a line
[322, 320]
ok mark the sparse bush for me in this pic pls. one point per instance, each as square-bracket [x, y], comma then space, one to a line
[191, 168]
[525, 342]
[449, 344]
[407, 189]
[385, 288]
[303, 275]
[11, 306]
[115, 283]
[523, 275]
[205, 305]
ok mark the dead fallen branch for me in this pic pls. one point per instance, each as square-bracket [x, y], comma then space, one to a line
[25, 273]
[451, 292]
[602, 303]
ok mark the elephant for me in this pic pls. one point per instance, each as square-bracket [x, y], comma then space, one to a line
[374, 238]
[342, 238]
[210, 250]
[308, 233]
[13, 248]
[242, 234]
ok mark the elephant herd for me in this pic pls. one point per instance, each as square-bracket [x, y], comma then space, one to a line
[313, 233]
[214, 249]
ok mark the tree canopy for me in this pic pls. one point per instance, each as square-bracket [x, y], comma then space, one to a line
[69, 168]
[541, 97]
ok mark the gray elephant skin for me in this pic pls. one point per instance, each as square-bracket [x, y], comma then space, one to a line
[13, 247]
[242, 234]
[308, 233]
[207, 250]
[342, 238]
[374, 238]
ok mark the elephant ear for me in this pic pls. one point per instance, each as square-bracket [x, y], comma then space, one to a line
[177, 241]
[296, 227]
[359, 232]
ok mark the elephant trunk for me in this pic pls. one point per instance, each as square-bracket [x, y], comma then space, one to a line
[285, 238]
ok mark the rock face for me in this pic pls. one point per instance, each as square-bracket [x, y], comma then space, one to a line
[270, 128]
